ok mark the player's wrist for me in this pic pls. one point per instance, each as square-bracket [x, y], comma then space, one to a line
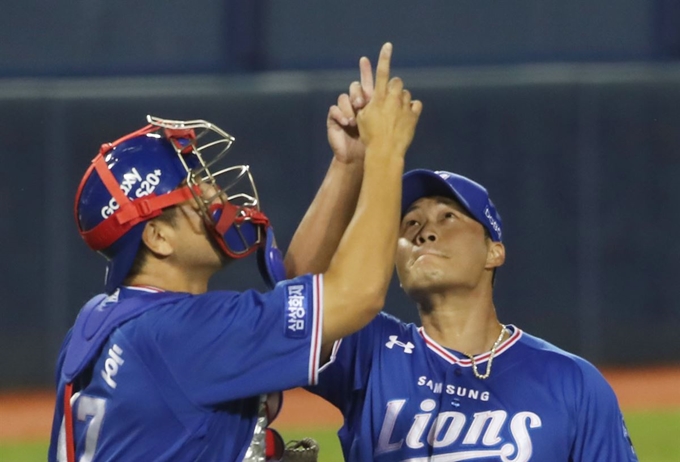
[385, 154]
[350, 167]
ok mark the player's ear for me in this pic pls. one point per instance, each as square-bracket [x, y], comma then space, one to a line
[157, 236]
[495, 255]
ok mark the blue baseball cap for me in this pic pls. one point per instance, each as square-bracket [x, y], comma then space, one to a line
[473, 196]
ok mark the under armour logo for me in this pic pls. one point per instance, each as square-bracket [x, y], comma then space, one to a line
[408, 346]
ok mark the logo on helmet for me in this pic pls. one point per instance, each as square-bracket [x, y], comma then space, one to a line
[147, 186]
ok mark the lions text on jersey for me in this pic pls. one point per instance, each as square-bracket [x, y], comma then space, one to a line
[406, 398]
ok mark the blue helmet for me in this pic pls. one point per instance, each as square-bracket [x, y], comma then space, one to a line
[161, 165]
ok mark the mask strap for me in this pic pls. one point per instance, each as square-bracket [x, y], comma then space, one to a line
[106, 147]
[110, 230]
[68, 424]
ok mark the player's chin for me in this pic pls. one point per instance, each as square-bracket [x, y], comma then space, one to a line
[420, 282]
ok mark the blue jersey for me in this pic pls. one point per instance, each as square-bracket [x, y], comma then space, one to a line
[406, 398]
[181, 381]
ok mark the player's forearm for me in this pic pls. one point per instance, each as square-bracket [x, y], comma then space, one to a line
[358, 277]
[318, 235]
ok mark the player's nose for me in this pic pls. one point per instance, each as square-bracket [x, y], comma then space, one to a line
[427, 233]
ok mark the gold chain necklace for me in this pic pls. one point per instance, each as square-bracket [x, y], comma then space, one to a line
[491, 356]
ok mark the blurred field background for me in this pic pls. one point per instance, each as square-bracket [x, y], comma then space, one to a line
[567, 111]
[649, 397]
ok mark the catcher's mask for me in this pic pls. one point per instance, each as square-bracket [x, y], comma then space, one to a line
[161, 165]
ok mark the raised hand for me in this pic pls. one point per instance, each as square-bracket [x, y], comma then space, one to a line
[343, 134]
[390, 117]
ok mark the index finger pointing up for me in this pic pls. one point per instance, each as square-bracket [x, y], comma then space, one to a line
[382, 73]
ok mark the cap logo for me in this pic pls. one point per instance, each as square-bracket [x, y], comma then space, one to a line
[492, 222]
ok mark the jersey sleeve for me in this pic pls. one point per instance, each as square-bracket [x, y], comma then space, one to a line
[347, 371]
[601, 434]
[222, 346]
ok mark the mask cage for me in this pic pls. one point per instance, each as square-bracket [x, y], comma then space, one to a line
[230, 190]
